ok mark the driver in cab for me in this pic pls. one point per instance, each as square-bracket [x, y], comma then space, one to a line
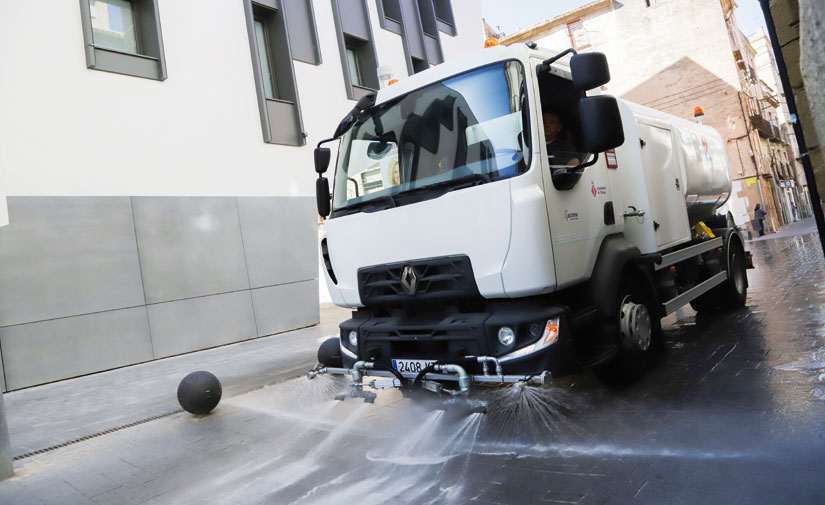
[560, 151]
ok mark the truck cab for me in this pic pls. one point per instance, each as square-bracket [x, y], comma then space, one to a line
[491, 208]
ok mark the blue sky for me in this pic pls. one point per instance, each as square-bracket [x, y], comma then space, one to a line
[511, 15]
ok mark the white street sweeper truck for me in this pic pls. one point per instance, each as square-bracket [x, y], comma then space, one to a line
[491, 222]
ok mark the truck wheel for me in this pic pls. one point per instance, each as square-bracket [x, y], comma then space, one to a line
[707, 302]
[731, 293]
[735, 289]
[639, 327]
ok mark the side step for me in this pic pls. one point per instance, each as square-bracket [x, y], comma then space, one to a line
[694, 292]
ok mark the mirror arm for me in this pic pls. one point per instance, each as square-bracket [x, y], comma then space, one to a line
[545, 65]
[325, 141]
[590, 163]
[355, 183]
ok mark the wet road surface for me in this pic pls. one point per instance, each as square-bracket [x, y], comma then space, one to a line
[732, 412]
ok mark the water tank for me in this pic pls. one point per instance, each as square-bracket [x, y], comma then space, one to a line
[706, 172]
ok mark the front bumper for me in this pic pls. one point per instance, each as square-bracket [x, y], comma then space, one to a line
[451, 337]
[362, 371]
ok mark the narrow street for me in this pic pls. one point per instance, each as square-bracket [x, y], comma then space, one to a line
[732, 412]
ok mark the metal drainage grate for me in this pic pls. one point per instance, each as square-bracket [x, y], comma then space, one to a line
[95, 435]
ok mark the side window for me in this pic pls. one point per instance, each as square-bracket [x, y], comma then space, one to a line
[561, 125]
[124, 37]
[357, 47]
[274, 75]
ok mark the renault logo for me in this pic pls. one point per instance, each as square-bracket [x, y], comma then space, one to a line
[409, 280]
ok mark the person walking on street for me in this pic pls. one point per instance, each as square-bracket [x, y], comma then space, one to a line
[793, 211]
[759, 216]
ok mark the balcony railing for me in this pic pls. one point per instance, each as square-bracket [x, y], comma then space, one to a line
[765, 128]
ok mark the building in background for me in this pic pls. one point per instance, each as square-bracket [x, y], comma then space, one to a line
[675, 56]
[793, 183]
[798, 25]
[157, 155]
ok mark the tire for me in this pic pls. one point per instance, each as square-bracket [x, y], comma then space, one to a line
[636, 308]
[709, 302]
[734, 291]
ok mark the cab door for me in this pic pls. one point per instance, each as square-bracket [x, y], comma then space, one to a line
[581, 216]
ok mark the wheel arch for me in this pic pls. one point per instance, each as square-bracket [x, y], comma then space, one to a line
[616, 256]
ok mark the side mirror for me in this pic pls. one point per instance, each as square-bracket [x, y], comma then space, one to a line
[322, 196]
[322, 157]
[601, 123]
[589, 70]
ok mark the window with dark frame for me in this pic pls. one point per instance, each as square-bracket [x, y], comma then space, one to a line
[114, 25]
[392, 10]
[444, 11]
[419, 65]
[265, 59]
[353, 64]
[273, 72]
[123, 37]
[427, 15]
[356, 46]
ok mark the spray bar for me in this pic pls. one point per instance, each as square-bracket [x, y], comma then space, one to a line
[443, 373]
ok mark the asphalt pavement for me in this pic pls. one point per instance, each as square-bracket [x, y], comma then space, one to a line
[732, 412]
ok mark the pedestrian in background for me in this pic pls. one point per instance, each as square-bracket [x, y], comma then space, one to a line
[759, 216]
[793, 211]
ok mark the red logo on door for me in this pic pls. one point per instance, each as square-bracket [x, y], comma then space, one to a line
[593, 189]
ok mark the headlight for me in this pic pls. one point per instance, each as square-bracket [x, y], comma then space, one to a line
[550, 335]
[506, 336]
[353, 338]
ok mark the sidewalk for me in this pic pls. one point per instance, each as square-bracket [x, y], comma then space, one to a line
[801, 227]
[46, 416]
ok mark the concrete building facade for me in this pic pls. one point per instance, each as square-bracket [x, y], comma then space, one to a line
[157, 157]
[675, 56]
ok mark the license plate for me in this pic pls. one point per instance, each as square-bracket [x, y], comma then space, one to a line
[411, 365]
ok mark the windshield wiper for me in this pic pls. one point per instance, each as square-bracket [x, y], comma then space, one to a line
[453, 184]
[366, 204]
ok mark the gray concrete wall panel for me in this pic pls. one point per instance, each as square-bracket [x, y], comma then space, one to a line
[198, 323]
[66, 256]
[74, 269]
[189, 247]
[51, 350]
[280, 238]
[285, 307]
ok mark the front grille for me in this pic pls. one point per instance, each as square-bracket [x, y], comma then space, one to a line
[428, 280]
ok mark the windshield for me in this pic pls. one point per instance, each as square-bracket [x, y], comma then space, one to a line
[465, 129]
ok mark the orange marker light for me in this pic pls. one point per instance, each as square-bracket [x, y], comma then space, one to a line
[492, 41]
[697, 111]
[392, 81]
[551, 333]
